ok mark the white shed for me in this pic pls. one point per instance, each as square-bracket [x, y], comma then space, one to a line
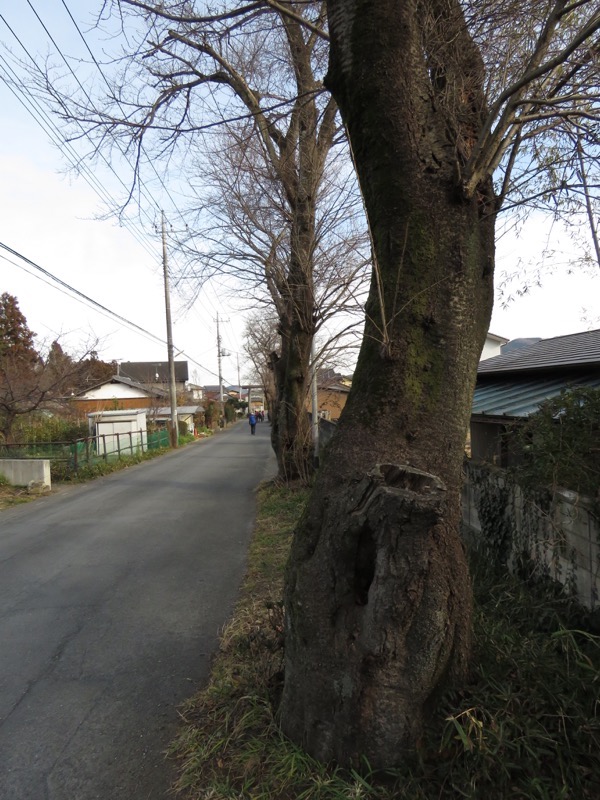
[119, 431]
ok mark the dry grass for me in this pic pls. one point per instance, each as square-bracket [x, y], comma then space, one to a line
[527, 727]
[14, 495]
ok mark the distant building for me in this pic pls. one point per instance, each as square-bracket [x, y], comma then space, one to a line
[332, 393]
[213, 392]
[492, 346]
[118, 393]
[194, 392]
[155, 373]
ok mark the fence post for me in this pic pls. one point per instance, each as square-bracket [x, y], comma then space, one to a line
[104, 452]
[119, 446]
[87, 450]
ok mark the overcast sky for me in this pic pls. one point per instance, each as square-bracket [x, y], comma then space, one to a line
[52, 219]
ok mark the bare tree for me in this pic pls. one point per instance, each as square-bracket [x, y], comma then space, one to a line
[247, 236]
[30, 378]
[261, 344]
[188, 71]
[452, 109]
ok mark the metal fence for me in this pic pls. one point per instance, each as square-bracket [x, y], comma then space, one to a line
[90, 450]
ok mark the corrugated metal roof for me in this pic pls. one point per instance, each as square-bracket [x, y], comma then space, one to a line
[561, 351]
[520, 398]
[166, 411]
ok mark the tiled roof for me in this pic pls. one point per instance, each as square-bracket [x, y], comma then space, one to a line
[575, 350]
[151, 391]
[153, 371]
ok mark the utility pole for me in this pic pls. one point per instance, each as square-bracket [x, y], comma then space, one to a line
[219, 356]
[315, 407]
[219, 360]
[174, 432]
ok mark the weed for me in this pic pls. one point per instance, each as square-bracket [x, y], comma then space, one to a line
[526, 727]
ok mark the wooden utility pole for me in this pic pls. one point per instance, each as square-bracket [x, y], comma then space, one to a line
[315, 405]
[174, 428]
[219, 357]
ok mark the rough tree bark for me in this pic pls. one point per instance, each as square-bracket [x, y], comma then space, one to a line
[378, 595]
[302, 170]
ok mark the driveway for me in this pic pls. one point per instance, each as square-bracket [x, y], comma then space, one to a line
[112, 596]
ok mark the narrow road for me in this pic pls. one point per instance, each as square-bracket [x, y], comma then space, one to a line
[112, 596]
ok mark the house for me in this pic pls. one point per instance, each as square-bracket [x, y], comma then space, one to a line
[161, 417]
[512, 385]
[155, 374]
[194, 392]
[213, 393]
[332, 393]
[118, 393]
[492, 346]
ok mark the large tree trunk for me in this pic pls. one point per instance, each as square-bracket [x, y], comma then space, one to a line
[302, 164]
[290, 431]
[290, 434]
[378, 595]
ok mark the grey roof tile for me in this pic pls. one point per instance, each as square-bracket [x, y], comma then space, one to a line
[576, 349]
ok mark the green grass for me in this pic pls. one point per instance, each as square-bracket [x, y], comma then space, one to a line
[526, 727]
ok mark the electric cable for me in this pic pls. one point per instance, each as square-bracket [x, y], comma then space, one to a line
[106, 81]
[83, 298]
[48, 126]
[33, 61]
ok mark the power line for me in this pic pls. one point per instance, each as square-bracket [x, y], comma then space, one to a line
[38, 114]
[48, 126]
[77, 293]
[86, 94]
[106, 81]
[62, 138]
[83, 298]
[41, 117]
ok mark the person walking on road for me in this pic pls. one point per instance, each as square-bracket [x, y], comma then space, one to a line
[252, 421]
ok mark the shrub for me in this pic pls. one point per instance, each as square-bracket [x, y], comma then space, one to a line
[561, 443]
[45, 428]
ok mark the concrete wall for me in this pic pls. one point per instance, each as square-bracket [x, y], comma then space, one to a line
[562, 541]
[22, 471]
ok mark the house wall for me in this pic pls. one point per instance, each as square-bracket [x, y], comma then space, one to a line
[491, 348]
[108, 391]
[328, 400]
[486, 442]
[114, 404]
[562, 542]
[494, 442]
[114, 397]
[163, 421]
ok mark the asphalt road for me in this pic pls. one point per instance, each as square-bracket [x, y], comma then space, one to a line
[112, 596]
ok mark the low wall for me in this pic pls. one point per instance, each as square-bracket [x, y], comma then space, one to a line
[561, 537]
[22, 471]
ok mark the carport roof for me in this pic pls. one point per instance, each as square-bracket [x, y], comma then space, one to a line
[520, 398]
